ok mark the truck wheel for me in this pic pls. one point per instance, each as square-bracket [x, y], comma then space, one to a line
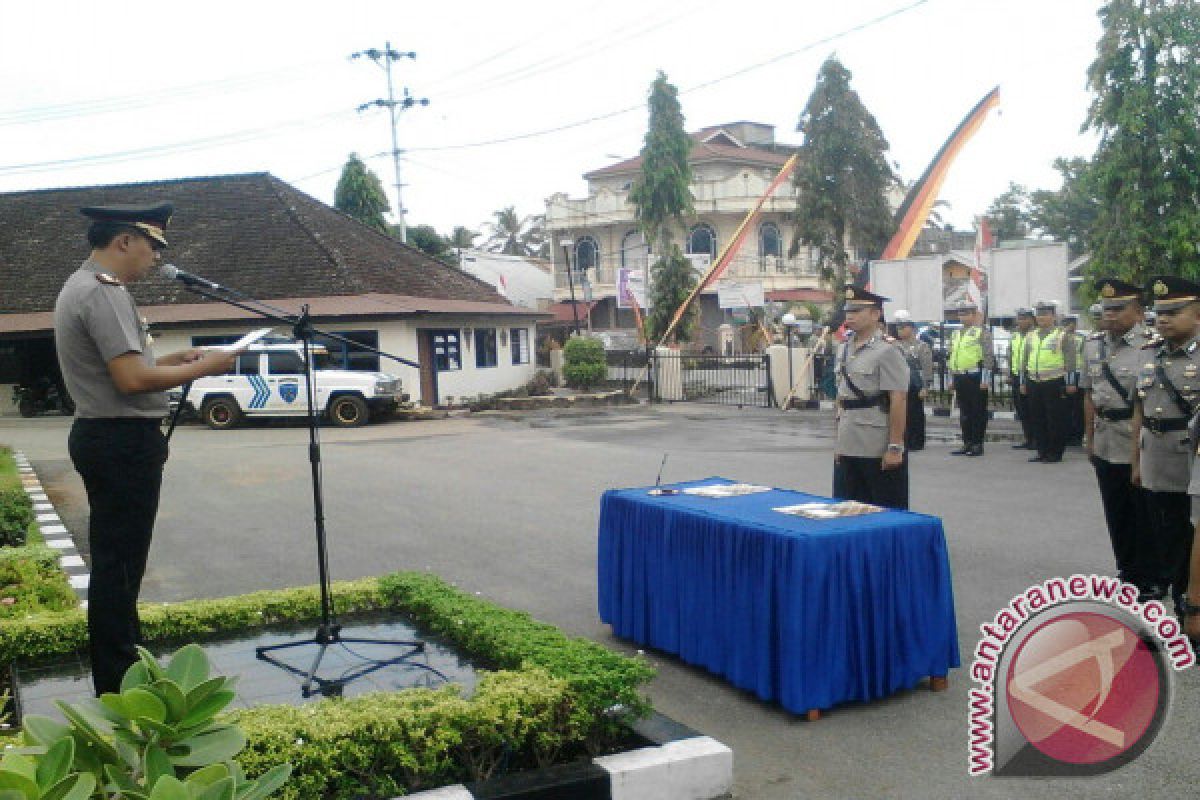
[348, 411]
[221, 413]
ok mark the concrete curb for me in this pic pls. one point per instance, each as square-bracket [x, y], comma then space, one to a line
[53, 531]
[680, 764]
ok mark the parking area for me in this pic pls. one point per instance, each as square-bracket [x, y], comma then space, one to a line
[507, 506]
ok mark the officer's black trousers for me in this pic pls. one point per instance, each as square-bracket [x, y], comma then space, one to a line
[972, 408]
[1021, 409]
[1128, 524]
[1171, 524]
[914, 430]
[1048, 416]
[121, 463]
[865, 480]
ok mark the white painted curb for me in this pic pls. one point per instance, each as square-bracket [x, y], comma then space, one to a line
[54, 533]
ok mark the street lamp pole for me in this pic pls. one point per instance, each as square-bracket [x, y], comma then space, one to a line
[566, 246]
[789, 325]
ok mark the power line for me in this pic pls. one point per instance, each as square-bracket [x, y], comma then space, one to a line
[705, 85]
[109, 105]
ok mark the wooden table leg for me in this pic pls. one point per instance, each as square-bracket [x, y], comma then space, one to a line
[938, 683]
[813, 714]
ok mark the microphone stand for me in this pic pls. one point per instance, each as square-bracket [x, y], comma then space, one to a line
[329, 631]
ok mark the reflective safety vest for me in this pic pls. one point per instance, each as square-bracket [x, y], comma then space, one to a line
[966, 350]
[1046, 360]
[1016, 351]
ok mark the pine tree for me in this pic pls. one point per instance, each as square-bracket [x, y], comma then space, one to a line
[661, 196]
[843, 178]
[360, 194]
[1146, 170]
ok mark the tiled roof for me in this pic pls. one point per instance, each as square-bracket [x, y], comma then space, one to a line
[702, 152]
[252, 232]
[321, 309]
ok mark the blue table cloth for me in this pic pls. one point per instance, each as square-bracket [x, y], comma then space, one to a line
[807, 613]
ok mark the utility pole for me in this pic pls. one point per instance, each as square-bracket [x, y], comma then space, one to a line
[384, 59]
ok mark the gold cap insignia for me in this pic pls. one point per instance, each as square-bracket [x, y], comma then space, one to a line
[107, 279]
[1160, 288]
[849, 292]
[1108, 291]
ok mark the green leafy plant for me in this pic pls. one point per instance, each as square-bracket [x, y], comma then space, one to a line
[583, 362]
[16, 512]
[31, 581]
[156, 739]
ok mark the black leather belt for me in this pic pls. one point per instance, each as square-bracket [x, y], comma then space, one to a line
[1164, 425]
[870, 402]
[1115, 414]
[154, 421]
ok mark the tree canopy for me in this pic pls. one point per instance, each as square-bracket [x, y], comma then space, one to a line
[1146, 171]
[843, 178]
[360, 194]
[1009, 213]
[511, 234]
[661, 196]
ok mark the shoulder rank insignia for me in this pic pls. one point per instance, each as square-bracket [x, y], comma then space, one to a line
[1151, 344]
[1191, 348]
[107, 280]
[1097, 335]
[893, 340]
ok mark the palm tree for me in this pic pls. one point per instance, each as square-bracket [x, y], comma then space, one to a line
[513, 235]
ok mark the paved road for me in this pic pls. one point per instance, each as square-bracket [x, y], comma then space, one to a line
[508, 507]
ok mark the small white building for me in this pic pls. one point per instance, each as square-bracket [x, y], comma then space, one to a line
[525, 282]
[270, 241]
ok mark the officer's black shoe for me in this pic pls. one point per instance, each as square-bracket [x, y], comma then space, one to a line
[975, 450]
[1152, 594]
[1023, 446]
[965, 450]
[1051, 459]
[1037, 458]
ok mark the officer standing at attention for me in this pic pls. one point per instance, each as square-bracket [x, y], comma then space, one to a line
[1112, 360]
[120, 395]
[869, 461]
[1016, 357]
[1168, 397]
[1048, 378]
[919, 356]
[971, 362]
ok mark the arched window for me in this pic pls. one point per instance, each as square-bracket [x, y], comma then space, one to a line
[769, 241]
[587, 253]
[702, 239]
[634, 250]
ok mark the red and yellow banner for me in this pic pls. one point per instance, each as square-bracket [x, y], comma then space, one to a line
[915, 210]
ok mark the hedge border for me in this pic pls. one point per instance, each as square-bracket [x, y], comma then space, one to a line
[551, 696]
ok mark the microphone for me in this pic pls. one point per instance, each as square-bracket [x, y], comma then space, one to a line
[175, 273]
[658, 480]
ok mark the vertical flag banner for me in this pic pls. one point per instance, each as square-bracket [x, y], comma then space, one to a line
[913, 213]
[731, 249]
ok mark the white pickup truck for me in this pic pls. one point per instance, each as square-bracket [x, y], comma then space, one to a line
[269, 380]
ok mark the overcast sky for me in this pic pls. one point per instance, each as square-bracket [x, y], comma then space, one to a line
[97, 93]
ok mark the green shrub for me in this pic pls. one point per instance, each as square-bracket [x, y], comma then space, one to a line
[31, 581]
[540, 383]
[16, 513]
[551, 697]
[584, 363]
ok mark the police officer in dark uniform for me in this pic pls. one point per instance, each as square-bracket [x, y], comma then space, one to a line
[1168, 397]
[870, 464]
[1112, 360]
[120, 394]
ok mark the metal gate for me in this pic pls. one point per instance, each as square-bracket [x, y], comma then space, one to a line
[740, 381]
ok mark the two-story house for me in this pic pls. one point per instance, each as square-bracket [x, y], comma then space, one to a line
[732, 166]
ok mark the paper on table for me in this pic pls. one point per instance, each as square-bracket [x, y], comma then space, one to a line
[244, 342]
[846, 508]
[718, 490]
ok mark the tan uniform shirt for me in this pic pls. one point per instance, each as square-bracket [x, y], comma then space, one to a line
[916, 350]
[96, 320]
[1113, 439]
[1165, 457]
[877, 367]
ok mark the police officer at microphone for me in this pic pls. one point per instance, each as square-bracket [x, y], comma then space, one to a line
[119, 389]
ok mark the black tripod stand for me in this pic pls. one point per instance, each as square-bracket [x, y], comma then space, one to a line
[329, 631]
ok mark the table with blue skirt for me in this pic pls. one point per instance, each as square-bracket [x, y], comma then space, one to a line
[804, 612]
